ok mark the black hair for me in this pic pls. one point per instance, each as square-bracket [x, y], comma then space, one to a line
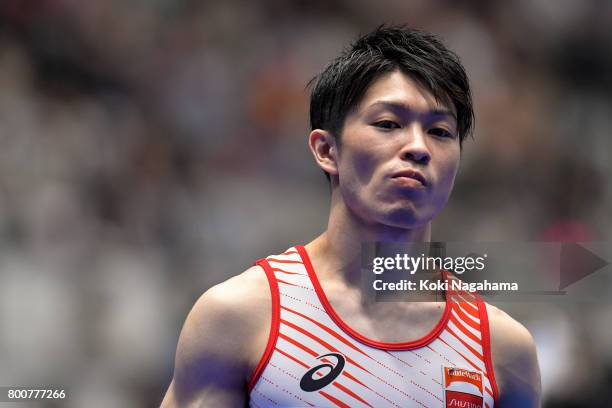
[340, 86]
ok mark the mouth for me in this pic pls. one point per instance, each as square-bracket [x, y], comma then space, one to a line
[410, 178]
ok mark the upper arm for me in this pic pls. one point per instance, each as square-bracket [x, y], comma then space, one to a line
[211, 364]
[515, 362]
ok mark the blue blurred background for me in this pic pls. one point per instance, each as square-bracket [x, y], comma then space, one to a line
[151, 149]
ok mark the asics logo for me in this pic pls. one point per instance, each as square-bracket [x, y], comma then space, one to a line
[310, 384]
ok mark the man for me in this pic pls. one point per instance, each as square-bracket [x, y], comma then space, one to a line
[388, 118]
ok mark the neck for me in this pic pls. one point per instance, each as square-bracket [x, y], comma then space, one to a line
[337, 252]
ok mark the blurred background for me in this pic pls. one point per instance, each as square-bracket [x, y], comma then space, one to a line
[151, 149]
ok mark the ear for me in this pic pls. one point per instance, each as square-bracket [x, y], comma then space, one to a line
[324, 149]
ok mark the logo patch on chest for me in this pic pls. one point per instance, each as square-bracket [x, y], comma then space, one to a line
[323, 374]
[462, 388]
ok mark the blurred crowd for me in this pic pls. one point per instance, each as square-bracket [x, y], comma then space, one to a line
[151, 149]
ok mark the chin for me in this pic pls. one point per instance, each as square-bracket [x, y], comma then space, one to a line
[406, 218]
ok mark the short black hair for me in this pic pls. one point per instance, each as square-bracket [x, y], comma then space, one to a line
[341, 85]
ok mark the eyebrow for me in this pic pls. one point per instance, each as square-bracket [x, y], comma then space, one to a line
[403, 106]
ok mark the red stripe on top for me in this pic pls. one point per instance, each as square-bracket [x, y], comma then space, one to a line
[472, 350]
[286, 283]
[334, 400]
[465, 319]
[298, 344]
[327, 329]
[323, 343]
[463, 329]
[289, 261]
[349, 375]
[469, 308]
[351, 393]
[291, 357]
[284, 271]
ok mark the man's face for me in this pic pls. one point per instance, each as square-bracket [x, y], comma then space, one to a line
[399, 154]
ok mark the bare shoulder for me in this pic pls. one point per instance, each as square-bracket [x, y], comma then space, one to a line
[234, 306]
[515, 362]
[216, 343]
[240, 297]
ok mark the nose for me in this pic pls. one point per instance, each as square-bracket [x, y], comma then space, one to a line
[415, 147]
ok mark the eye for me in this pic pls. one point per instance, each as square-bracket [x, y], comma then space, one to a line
[387, 124]
[441, 132]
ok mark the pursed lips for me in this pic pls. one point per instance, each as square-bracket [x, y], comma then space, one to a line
[411, 174]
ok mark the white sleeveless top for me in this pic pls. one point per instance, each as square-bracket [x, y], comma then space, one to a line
[314, 359]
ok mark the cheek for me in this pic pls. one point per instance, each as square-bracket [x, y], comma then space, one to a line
[451, 173]
[448, 172]
[358, 166]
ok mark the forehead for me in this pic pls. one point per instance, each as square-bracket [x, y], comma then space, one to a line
[400, 89]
